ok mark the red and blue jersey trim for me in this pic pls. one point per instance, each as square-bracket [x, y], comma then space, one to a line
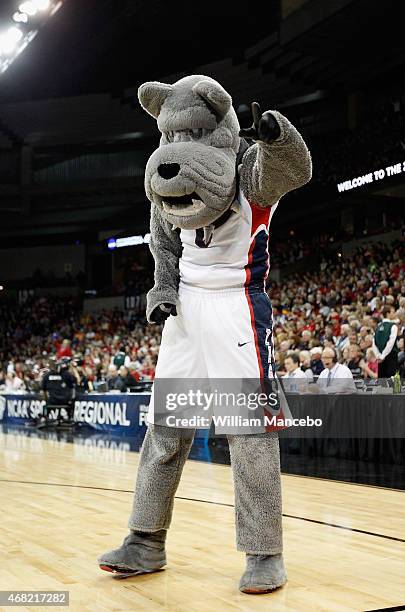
[260, 309]
[258, 265]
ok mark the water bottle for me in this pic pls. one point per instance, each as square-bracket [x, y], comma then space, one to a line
[397, 383]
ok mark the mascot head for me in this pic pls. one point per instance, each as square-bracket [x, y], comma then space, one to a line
[191, 177]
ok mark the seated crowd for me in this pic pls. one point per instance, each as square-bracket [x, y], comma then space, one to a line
[338, 306]
[111, 346]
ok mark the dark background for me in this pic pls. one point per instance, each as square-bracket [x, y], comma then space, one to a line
[74, 142]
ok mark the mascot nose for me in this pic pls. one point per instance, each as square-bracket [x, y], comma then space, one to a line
[168, 171]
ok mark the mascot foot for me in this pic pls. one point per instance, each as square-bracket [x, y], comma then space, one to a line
[263, 574]
[140, 553]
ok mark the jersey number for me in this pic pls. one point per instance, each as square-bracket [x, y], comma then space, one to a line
[203, 237]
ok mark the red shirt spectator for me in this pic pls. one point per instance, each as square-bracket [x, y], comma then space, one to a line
[64, 350]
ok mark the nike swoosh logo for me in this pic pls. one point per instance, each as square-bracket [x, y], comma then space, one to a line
[243, 343]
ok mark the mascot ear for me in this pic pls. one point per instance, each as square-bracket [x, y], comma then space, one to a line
[151, 96]
[215, 96]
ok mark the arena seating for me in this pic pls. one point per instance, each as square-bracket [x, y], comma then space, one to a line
[339, 304]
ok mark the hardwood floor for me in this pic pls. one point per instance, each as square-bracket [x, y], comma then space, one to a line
[63, 504]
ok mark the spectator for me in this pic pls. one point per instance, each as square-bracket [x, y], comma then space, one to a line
[133, 371]
[123, 381]
[384, 345]
[83, 384]
[295, 377]
[352, 338]
[366, 342]
[121, 358]
[112, 377]
[306, 338]
[64, 350]
[345, 355]
[305, 360]
[316, 361]
[343, 340]
[355, 364]
[336, 377]
[370, 369]
[401, 356]
[292, 366]
[148, 368]
[13, 383]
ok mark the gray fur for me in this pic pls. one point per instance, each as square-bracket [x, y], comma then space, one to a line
[139, 553]
[270, 171]
[215, 95]
[164, 453]
[165, 245]
[207, 160]
[152, 95]
[263, 573]
[256, 471]
[206, 156]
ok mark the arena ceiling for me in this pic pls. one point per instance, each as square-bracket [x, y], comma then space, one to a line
[112, 45]
[107, 45]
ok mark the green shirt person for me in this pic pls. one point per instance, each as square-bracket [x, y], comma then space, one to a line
[385, 344]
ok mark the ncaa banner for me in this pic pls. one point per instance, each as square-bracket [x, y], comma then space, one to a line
[19, 409]
[122, 414]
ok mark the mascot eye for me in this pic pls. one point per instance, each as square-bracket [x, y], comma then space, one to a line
[186, 135]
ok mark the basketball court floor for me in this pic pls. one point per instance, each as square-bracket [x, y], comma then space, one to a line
[63, 503]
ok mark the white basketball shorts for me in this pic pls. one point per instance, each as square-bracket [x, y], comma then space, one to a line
[224, 334]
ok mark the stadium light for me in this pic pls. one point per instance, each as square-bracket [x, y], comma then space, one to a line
[14, 41]
[20, 17]
[31, 7]
[9, 40]
[28, 7]
[117, 243]
[42, 5]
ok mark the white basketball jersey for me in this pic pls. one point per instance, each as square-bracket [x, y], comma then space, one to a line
[233, 254]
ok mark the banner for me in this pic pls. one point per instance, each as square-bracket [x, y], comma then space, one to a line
[371, 177]
[21, 408]
[122, 414]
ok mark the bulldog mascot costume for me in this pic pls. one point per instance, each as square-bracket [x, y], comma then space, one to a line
[212, 199]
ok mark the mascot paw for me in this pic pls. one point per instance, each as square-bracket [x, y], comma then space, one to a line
[140, 553]
[264, 128]
[264, 573]
[163, 312]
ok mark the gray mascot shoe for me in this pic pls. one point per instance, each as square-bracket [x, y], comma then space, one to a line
[263, 574]
[140, 553]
